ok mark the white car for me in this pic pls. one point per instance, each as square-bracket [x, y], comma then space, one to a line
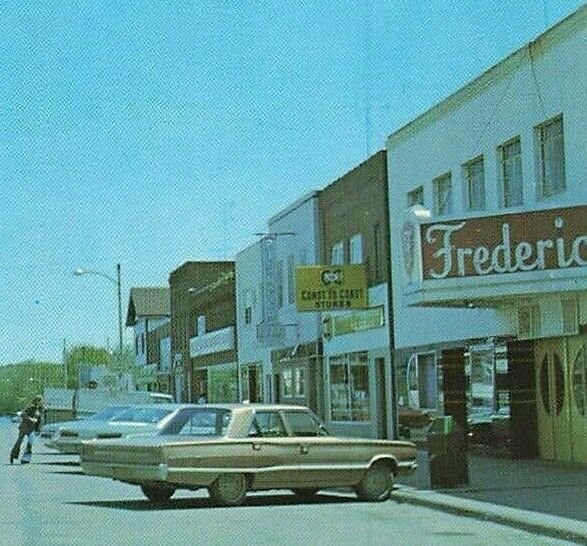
[112, 422]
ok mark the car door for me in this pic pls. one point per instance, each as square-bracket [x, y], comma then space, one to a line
[321, 460]
[271, 450]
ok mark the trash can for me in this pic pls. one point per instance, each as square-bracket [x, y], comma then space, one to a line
[447, 454]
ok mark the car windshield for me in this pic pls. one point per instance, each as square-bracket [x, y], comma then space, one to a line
[106, 414]
[198, 422]
[140, 415]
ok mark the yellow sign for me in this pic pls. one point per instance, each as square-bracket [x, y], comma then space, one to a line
[324, 287]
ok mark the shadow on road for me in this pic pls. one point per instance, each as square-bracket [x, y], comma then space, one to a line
[68, 472]
[66, 463]
[207, 503]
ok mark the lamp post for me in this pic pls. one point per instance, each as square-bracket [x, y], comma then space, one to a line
[116, 281]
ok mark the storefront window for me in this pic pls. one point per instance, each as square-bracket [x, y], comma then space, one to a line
[252, 383]
[349, 387]
[293, 383]
[222, 383]
[481, 384]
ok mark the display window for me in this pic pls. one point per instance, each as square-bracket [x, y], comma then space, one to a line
[349, 387]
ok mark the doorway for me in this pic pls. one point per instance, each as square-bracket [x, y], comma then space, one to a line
[553, 407]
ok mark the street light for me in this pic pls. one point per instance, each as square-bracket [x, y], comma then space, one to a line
[116, 281]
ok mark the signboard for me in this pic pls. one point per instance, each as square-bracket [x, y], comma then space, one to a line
[509, 243]
[331, 287]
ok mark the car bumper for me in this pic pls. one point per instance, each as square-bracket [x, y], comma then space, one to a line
[130, 473]
[406, 468]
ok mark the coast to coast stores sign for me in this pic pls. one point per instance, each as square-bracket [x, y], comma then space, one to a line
[321, 288]
[497, 245]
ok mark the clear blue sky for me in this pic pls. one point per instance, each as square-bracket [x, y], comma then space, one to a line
[154, 132]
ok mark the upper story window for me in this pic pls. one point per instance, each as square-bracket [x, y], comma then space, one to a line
[337, 254]
[201, 325]
[416, 197]
[550, 157]
[442, 187]
[291, 293]
[474, 178]
[510, 173]
[356, 249]
[248, 307]
[279, 268]
[376, 250]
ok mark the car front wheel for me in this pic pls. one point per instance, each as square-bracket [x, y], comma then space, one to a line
[157, 494]
[376, 485]
[229, 489]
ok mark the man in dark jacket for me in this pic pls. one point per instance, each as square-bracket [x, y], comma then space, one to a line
[31, 420]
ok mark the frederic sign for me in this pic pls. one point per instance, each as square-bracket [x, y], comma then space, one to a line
[511, 243]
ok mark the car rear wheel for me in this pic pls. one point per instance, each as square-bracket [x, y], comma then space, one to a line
[157, 494]
[376, 485]
[229, 489]
[306, 493]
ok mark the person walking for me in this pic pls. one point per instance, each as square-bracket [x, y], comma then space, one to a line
[31, 420]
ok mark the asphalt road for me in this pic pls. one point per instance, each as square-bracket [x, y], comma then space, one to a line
[50, 502]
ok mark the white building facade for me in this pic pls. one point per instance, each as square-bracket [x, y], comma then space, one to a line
[488, 208]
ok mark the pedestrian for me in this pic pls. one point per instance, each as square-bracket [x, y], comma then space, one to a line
[31, 421]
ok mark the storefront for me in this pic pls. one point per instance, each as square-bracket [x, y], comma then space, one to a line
[356, 371]
[531, 268]
[297, 375]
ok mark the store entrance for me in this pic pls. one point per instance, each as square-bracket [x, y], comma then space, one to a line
[560, 385]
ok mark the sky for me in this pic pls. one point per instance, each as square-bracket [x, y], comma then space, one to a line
[150, 133]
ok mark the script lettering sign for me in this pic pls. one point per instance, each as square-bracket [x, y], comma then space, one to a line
[509, 243]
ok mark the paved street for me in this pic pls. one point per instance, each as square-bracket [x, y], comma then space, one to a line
[50, 502]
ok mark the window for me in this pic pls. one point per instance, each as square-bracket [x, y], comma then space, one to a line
[267, 424]
[473, 175]
[291, 293]
[550, 157]
[201, 325]
[442, 187]
[337, 254]
[416, 197]
[529, 323]
[376, 249]
[136, 345]
[356, 249]
[349, 387]
[198, 422]
[303, 423]
[279, 267]
[143, 343]
[248, 307]
[293, 383]
[510, 173]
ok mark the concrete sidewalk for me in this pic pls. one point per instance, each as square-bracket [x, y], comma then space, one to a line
[545, 497]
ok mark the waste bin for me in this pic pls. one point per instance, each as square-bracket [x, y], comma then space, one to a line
[447, 454]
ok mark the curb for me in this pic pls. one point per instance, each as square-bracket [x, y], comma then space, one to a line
[534, 522]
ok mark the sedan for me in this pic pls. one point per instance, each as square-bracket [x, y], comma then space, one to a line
[112, 422]
[235, 448]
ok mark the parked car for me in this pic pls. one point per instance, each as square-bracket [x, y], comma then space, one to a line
[232, 449]
[112, 422]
